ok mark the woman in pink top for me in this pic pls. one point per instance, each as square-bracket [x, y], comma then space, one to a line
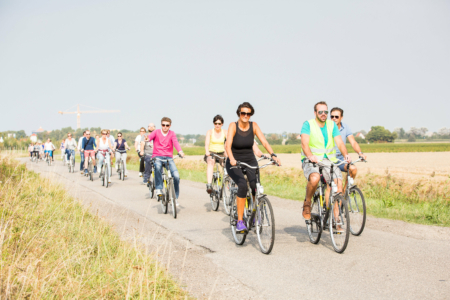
[163, 142]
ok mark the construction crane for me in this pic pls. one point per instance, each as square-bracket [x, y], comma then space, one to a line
[79, 112]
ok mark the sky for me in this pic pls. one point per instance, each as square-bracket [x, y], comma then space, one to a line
[384, 62]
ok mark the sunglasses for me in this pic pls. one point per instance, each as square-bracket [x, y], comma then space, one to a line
[103, 133]
[119, 136]
[321, 112]
[165, 125]
[243, 113]
[88, 134]
[142, 131]
[217, 123]
[334, 117]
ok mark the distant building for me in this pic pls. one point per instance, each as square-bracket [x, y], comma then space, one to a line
[33, 138]
[1, 139]
[360, 135]
[11, 135]
[40, 130]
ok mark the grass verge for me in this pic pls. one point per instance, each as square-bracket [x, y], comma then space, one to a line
[51, 247]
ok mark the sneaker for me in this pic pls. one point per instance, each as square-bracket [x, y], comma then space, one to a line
[109, 180]
[176, 202]
[95, 169]
[209, 188]
[307, 210]
[140, 174]
[81, 172]
[159, 195]
[145, 181]
[240, 226]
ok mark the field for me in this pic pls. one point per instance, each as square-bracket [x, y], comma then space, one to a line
[53, 248]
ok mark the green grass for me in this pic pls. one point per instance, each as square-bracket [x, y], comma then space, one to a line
[53, 248]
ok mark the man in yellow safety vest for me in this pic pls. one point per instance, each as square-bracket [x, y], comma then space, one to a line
[319, 136]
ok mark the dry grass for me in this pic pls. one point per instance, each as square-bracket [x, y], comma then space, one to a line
[51, 247]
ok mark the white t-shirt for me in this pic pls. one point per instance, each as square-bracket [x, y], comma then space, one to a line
[80, 142]
[49, 146]
[140, 138]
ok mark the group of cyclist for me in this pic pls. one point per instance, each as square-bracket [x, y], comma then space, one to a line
[41, 151]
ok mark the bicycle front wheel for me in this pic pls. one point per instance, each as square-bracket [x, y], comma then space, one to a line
[173, 199]
[122, 167]
[91, 173]
[226, 194]
[314, 225]
[239, 238]
[357, 211]
[152, 186]
[164, 201]
[339, 224]
[265, 225]
[106, 177]
[214, 196]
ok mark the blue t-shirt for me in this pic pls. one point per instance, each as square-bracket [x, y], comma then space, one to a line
[307, 130]
[88, 144]
[345, 132]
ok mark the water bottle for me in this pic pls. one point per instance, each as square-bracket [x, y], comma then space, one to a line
[260, 188]
[333, 187]
[351, 181]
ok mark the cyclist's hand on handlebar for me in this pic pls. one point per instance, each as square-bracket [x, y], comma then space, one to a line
[207, 153]
[363, 156]
[348, 158]
[233, 162]
[277, 160]
[313, 159]
[181, 154]
[142, 153]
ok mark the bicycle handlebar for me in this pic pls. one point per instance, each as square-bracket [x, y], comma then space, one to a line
[272, 162]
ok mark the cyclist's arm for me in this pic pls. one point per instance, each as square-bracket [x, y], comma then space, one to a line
[207, 141]
[126, 146]
[225, 142]
[264, 142]
[256, 150]
[136, 144]
[355, 146]
[230, 135]
[142, 148]
[176, 144]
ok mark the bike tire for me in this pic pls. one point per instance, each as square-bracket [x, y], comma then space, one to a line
[164, 200]
[314, 226]
[226, 194]
[122, 163]
[357, 211]
[339, 239]
[106, 176]
[239, 238]
[214, 197]
[152, 187]
[173, 198]
[265, 225]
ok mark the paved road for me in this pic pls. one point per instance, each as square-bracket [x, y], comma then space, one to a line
[391, 259]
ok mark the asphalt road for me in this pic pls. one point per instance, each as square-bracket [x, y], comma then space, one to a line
[392, 259]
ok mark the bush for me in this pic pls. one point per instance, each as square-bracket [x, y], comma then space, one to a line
[360, 140]
[200, 143]
[411, 138]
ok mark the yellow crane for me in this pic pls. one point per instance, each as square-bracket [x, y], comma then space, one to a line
[79, 112]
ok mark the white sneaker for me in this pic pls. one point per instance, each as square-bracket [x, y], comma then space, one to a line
[109, 180]
[158, 192]
[176, 202]
[140, 174]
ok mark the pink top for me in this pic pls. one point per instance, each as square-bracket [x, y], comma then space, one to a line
[163, 145]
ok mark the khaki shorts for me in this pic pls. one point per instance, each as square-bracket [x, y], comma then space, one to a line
[220, 161]
[309, 169]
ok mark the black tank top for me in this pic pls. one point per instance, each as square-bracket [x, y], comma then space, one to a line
[242, 146]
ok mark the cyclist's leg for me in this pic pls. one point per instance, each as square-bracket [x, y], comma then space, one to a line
[118, 155]
[313, 176]
[176, 177]
[101, 160]
[158, 175]
[107, 162]
[82, 161]
[148, 167]
[141, 164]
[238, 177]
[209, 168]
[124, 158]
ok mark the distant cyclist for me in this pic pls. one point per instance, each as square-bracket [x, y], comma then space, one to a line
[319, 138]
[80, 142]
[87, 147]
[337, 114]
[70, 145]
[36, 149]
[62, 149]
[137, 145]
[146, 153]
[164, 140]
[240, 145]
[42, 151]
[215, 144]
[121, 147]
[48, 149]
[105, 148]
[31, 150]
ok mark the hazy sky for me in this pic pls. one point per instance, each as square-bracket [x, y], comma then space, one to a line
[384, 62]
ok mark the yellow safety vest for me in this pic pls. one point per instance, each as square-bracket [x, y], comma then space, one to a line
[317, 142]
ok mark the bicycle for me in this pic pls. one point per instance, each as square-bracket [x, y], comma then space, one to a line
[104, 176]
[151, 181]
[121, 168]
[90, 173]
[217, 183]
[320, 213]
[356, 203]
[257, 213]
[35, 157]
[49, 159]
[168, 191]
[71, 162]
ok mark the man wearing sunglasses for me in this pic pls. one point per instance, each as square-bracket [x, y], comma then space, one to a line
[319, 138]
[336, 115]
[164, 141]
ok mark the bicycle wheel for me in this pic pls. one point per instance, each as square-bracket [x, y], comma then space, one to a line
[265, 225]
[122, 167]
[106, 177]
[239, 238]
[356, 210]
[214, 196]
[152, 186]
[73, 165]
[102, 174]
[226, 194]
[173, 199]
[339, 227]
[314, 226]
[165, 199]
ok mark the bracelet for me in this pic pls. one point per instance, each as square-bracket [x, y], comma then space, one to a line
[273, 154]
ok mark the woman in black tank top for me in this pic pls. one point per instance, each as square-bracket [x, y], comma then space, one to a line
[239, 147]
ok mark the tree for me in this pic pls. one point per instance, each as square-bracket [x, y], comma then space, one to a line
[400, 132]
[443, 132]
[380, 134]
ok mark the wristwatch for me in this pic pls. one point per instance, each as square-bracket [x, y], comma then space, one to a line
[273, 154]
